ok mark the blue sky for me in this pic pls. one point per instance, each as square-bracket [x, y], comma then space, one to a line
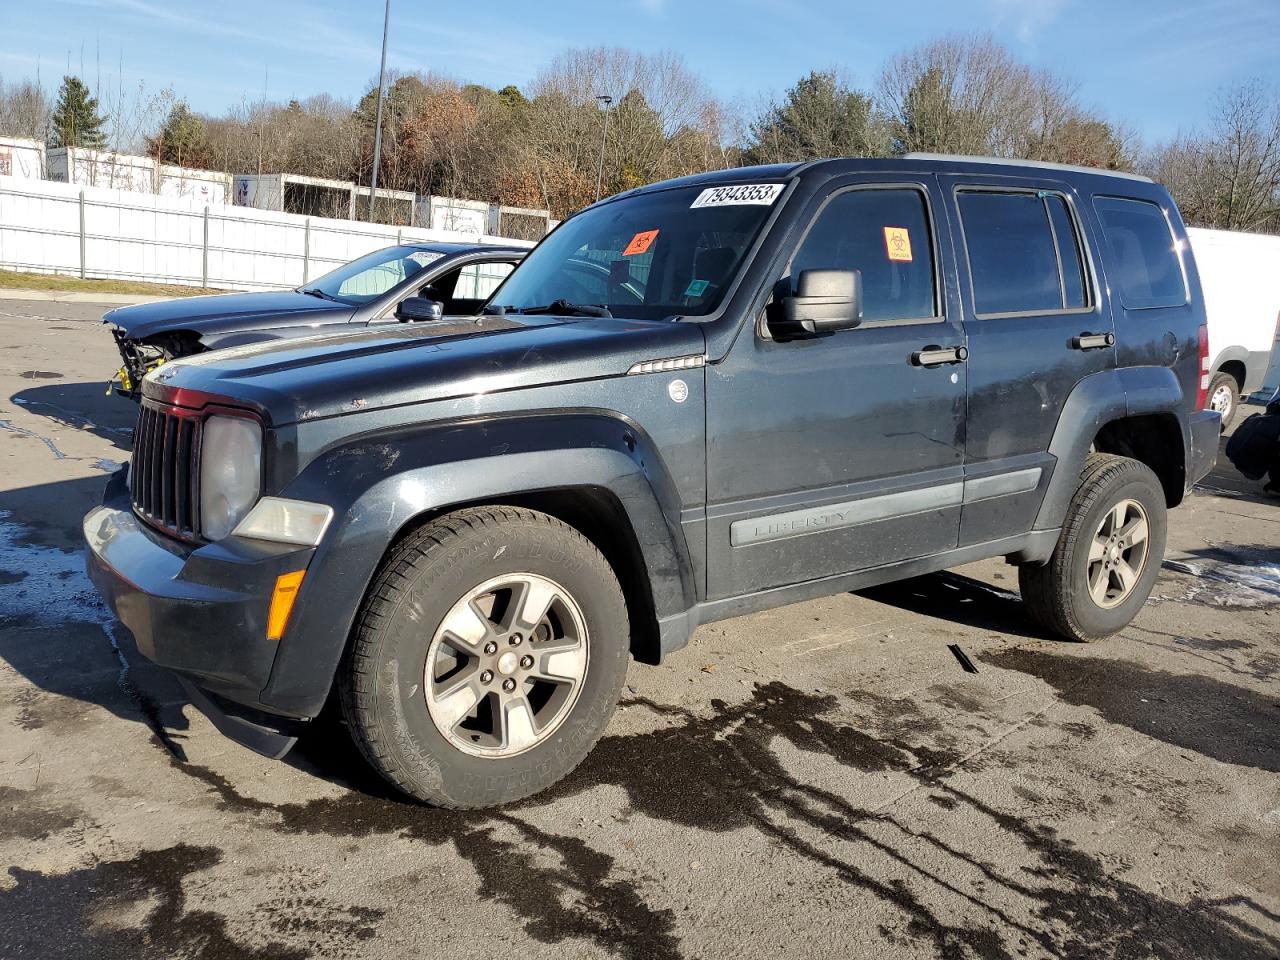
[1154, 64]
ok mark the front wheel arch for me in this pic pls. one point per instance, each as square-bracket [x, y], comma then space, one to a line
[596, 513]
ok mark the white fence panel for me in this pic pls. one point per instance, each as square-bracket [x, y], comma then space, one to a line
[50, 227]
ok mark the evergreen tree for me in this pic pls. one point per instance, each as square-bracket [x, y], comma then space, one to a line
[76, 121]
[819, 117]
[181, 139]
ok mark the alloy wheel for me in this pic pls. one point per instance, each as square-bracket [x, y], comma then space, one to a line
[506, 665]
[1118, 554]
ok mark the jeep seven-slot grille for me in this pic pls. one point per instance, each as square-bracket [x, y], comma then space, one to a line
[164, 470]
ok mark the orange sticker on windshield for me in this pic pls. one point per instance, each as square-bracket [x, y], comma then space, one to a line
[641, 242]
[897, 241]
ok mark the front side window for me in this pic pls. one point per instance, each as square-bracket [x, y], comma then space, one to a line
[648, 256]
[884, 234]
[1144, 256]
[369, 277]
[1024, 253]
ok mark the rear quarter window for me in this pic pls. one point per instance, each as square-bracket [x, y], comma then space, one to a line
[1143, 262]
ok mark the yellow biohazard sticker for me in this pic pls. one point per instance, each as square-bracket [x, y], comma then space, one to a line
[897, 242]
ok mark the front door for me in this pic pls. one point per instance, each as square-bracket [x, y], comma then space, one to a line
[1036, 328]
[842, 452]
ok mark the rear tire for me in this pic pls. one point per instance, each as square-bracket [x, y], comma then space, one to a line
[1108, 555]
[1224, 396]
[461, 693]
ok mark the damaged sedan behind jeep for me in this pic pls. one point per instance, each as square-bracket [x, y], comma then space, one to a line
[402, 283]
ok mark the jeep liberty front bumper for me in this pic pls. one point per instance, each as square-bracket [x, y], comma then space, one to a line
[199, 611]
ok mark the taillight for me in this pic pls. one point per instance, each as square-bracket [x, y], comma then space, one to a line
[1202, 392]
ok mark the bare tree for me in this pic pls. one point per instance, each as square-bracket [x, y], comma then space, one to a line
[969, 95]
[663, 119]
[1229, 176]
[25, 110]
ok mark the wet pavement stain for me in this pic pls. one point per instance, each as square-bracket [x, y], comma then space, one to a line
[52, 916]
[721, 773]
[34, 815]
[40, 375]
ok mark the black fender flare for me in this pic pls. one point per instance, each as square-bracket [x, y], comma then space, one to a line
[381, 483]
[1095, 401]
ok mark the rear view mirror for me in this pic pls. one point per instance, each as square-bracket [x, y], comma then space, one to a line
[824, 301]
[419, 308]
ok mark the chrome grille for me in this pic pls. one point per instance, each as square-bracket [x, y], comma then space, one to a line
[163, 472]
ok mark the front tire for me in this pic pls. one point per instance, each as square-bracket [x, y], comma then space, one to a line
[1107, 557]
[487, 659]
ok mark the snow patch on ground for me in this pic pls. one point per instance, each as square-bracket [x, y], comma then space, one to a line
[43, 585]
[1221, 583]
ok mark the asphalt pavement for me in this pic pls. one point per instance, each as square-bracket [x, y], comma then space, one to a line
[822, 780]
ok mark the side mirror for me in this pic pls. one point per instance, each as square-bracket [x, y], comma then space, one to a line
[419, 308]
[824, 301]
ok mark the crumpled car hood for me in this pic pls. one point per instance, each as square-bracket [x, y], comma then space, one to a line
[222, 313]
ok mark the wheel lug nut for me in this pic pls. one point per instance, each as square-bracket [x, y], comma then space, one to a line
[516, 639]
[490, 647]
[486, 676]
[508, 685]
[526, 662]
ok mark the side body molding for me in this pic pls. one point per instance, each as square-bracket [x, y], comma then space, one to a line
[1095, 401]
[379, 483]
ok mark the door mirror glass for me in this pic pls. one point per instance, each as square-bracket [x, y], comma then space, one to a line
[824, 301]
[419, 308]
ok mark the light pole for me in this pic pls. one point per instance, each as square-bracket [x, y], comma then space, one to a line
[377, 123]
[604, 136]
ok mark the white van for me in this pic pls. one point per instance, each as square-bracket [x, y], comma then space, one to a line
[1240, 276]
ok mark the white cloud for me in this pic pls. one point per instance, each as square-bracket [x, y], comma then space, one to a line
[1026, 17]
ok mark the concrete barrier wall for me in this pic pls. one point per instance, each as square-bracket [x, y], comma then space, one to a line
[48, 227]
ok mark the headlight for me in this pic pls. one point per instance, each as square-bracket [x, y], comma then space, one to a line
[230, 473]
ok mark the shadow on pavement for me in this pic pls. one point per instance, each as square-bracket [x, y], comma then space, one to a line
[83, 406]
[954, 598]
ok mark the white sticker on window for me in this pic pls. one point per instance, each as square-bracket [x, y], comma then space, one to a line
[759, 194]
[424, 258]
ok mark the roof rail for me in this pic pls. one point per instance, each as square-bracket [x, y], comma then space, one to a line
[1039, 164]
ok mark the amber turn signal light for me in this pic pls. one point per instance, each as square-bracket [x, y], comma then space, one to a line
[282, 597]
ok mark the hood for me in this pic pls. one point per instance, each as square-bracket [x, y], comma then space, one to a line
[224, 313]
[397, 364]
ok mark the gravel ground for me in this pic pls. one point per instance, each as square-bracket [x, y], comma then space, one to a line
[823, 779]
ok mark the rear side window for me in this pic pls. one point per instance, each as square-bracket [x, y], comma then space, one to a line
[885, 235]
[477, 281]
[1144, 259]
[1024, 253]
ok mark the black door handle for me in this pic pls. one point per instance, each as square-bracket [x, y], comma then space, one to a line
[932, 356]
[1093, 341]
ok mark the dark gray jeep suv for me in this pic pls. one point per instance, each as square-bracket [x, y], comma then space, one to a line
[694, 400]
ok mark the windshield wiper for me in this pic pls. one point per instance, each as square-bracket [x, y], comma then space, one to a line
[317, 292]
[565, 307]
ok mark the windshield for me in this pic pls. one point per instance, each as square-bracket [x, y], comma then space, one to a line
[369, 277]
[647, 257]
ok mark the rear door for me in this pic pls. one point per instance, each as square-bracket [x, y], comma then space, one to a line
[1036, 326]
